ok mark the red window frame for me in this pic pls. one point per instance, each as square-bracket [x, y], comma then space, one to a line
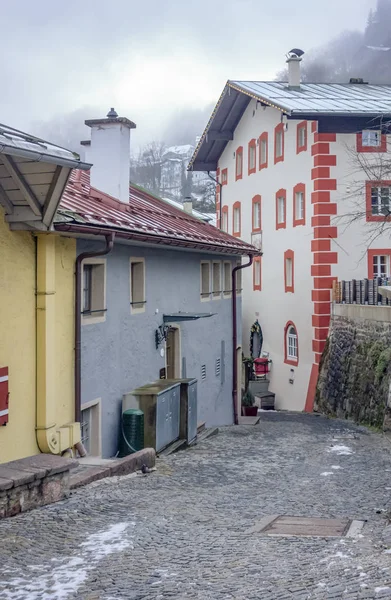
[264, 137]
[224, 211]
[224, 177]
[252, 145]
[279, 129]
[300, 187]
[368, 197]
[257, 261]
[302, 125]
[289, 288]
[256, 227]
[381, 148]
[290, 361]
[239, 152]
[281, 194]
[376, 252]
[235, 206]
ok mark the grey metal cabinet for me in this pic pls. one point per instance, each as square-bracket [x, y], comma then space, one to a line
[192, 411]
[160, 403]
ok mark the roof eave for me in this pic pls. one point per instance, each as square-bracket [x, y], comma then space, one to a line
[42, 157]
[156, 239]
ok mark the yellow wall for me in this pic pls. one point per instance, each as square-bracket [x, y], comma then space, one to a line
[18, 337]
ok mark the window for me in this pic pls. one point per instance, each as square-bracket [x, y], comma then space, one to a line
[205, 281]
[227, 279]
[279, 143]
[90, 426]
[257, 274]
[256, 219]
[224, 177]
[203, 372]
[93, 291]
[289, 271]
[299, 205]
[379, 263]
[137, 285]
[281, 209]
[378, 200]
[216, 280]
[301, 141]
[239, 279]
[291, 345]
[263, 151]
[252, 157]
[236, 217]
[224, 221]
[371, 140]
[239, 163]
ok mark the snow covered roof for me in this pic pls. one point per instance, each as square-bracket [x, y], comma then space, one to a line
[310, 101]
[184, 150]
[203, 216]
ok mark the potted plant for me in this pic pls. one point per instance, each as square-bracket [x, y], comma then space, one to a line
[248, 408]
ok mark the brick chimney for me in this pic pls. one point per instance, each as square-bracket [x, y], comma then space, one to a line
[109, 153]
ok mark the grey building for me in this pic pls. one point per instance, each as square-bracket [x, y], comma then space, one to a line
[154, 295]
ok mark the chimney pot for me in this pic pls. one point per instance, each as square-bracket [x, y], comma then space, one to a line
[294, 58]
[188, 205]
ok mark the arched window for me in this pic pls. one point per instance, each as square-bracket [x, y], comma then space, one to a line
[291, 344]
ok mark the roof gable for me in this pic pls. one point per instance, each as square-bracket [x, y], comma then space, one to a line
[312, 100]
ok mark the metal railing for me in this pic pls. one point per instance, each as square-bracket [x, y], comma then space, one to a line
[361, 291]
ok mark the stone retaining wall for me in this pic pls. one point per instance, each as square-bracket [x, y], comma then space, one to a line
[355, 370]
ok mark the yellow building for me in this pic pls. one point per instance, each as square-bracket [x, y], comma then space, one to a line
[36, 300]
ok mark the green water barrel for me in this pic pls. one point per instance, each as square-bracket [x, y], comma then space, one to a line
[131, 437]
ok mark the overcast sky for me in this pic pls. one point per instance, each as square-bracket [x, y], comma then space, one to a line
[149, 58]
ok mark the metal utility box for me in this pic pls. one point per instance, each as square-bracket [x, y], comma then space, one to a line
[188, 415]
[160, 403]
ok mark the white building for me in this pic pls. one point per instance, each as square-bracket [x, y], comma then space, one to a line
[175, 161]
[296, 163]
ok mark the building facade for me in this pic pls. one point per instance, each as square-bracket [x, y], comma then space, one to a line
[156, 301]
[303, 177]
[36, 301]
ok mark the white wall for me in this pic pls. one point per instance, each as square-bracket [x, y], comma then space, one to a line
[272, 306]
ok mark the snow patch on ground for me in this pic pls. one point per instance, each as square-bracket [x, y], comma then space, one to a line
[336, 467]
[341, 450]
[381, 589]
[326, 473]
[65, 579]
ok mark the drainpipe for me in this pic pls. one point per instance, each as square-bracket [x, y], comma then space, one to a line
[78, 274]
[221, 196]
[234, 339]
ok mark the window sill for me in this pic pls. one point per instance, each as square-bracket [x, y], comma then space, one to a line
[293, 362]
[216, 296]
[206, 297]
[377, 218]
[281, 226]
[263, 166]
[93, 319]
[298, 222]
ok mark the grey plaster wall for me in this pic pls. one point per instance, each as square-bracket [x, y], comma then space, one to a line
[119, 354]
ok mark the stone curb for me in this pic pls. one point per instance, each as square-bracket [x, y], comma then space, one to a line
[120, 466]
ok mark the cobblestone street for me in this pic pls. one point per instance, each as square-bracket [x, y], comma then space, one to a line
[182, 532]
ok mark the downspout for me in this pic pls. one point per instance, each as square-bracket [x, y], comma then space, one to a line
[78, 274]
[217, 182]
[234, 339]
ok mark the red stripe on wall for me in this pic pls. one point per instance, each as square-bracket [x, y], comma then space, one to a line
[309, 403]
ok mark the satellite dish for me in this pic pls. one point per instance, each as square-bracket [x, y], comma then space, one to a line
[295, 52]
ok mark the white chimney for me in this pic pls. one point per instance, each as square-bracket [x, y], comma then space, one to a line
[109, 153]
[293, 60]
[188, 205]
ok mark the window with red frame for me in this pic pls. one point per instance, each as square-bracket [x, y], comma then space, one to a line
[299, 205]
[289, 271]
[236, 219]
[224, 219]
[371, 140]
[256, 216]
[379, 263]
[281, 209]
[291, 344]
[301, 140]
[239, 163]
[257, 274]
[252, 157]
[279, 143]
[378, 200]
[224, 177]
[263, 150]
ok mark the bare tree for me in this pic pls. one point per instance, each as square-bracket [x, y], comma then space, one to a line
[146, 167]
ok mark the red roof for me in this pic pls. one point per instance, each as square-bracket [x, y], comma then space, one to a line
[146, 218]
